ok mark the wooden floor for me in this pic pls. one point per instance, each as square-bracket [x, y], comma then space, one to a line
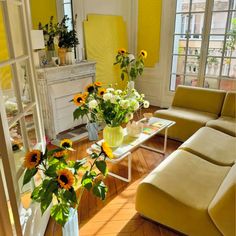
[117, 215]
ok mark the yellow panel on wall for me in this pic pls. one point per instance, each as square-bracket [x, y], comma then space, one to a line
[104, 35]
[42, 10]
[149, 28]
[5, 72]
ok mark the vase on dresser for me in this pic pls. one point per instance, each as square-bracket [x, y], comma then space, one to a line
[69, 56]
[62, 56]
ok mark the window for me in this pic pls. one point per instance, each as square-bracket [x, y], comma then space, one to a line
[204, 44]
[65, 8]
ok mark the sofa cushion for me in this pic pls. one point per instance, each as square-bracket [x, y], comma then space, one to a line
[224, 124]
[229, 106]
[201, 99]
[178, 192]
[212, 145]
[188, 121]
[223, 206]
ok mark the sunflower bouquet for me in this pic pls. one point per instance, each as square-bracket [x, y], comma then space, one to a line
[130, 67]
[61, 177]
[110, 106]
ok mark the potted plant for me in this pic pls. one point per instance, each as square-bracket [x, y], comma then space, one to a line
[50, 31]
[130, 67]
[110, 106]
[67, 41]
[62, 178]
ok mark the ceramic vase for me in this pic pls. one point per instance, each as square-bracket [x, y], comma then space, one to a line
[113, 136]
[92, 129]
[69, 57]
[71, 227]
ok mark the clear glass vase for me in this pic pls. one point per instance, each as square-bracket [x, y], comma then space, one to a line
[113, 136]
[71, 228]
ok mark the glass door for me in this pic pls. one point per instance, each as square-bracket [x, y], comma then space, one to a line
[20, 119]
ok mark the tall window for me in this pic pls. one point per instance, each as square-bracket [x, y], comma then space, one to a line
[64, 7]
[204, 44]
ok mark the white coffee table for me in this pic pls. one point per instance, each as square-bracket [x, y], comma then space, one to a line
[129, 144]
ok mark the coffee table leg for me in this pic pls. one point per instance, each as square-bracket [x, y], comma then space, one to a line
[129, 157]
[155, 149]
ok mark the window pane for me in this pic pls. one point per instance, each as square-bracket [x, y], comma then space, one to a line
[216, 46]
[220, 5]
[233, 6]
[230, 47]
[179, 45]
[182, 5]
[213, 66]
[192, 65]
[198, 5]
[175, 81]
[229, 68]
[181, 24]
[218, 23]
[228, 85]
[196, 23]
[194, 47]
[191, 81]
[232, 18]
[178, 63]
[67, 10]
[211, 83]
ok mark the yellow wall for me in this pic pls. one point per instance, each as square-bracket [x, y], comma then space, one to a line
[5, 73]
[104, 35]
[149, 28]
[42, 10]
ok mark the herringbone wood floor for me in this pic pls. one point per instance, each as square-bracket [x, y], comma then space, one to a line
[117, 215]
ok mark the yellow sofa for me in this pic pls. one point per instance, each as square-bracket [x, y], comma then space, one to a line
[190, 195]
[227, 121]
[213, 146]
[191, 109]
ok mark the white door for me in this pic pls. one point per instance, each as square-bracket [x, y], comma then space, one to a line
[21, 126]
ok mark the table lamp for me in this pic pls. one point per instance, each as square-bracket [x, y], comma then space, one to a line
[37, 45]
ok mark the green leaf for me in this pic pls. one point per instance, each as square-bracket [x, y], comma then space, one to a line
[94, 155]
[102, 166]
[100, 190]
[45, 203]
[36, 194]
[87, 183]
[70, 195]
[60, 213]
[79, 163]
[51, 171]
[29, 173]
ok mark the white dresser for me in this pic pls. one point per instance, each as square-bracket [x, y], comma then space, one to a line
[57, 86]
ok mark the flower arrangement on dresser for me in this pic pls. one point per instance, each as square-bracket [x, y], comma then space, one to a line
[61, 178]
[111, 106]
[130, 66]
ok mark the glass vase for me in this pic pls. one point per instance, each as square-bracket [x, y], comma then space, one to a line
[113, 136]
[71, 227]
[92, 128]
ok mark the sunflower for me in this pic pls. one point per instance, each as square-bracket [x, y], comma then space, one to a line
[90, 88]
[107, 150]
[79, 99]
[66, 144]
[85, 95]
[121, 51]
[101, 91]
[143, 53]
[65, 178]
[60, 154]
[98, 83]
[32, 159]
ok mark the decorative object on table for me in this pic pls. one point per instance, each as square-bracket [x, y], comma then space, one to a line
[130, 67]
[50, 31]
[92, 128]
[37, 40]
[62, 177]
[147, 116]
[55, 61]
[109, 106]
[134, 129]
[67, 40]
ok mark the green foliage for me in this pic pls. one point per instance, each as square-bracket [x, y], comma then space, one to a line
[61, 171]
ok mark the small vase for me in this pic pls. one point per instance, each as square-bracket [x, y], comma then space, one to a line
[62, 56]
[113, 136]
[50, 55]
[71, 227]
[130, 85]
[92, 131]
